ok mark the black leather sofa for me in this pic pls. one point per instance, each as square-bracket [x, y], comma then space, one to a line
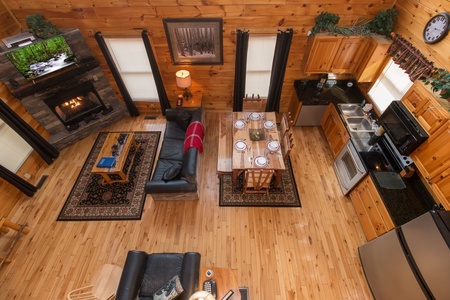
[155, 270]
[175, 176]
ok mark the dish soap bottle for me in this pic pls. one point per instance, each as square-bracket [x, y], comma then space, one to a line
[377, 136]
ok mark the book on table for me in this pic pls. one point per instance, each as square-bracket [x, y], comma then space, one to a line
[106, 162]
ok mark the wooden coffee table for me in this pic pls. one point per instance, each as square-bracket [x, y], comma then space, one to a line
[117, 172]
[225, 280]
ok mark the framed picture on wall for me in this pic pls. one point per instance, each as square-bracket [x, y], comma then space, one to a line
[196, 41]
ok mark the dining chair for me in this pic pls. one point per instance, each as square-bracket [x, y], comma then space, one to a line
[287, 143]
[285, 124]
[103, 287]
[257, 181]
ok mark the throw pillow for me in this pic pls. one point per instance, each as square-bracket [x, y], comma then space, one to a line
[183, 119]
[171, 290]
[172, 172]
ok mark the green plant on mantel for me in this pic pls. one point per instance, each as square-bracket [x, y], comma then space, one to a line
[39, 27]
[439, 80]
[358, 28]
[325, 21]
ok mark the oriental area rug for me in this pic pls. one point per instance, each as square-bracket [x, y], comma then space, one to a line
[285, 195]
[91, 199]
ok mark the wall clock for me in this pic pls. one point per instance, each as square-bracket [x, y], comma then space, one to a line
[436, 28]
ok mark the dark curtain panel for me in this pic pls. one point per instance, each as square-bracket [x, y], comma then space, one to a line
[26, 187]
[240, 69]
[115, 72]
[163, 100]
[39, 144]
[410, 59]
[280, 58]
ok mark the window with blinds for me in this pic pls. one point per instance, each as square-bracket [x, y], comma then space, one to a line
[259, 65]
[131, 60]
[392, 84]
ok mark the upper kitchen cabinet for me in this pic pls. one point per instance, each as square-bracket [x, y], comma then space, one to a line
[373, 59]
[332, 54]
[427, 110]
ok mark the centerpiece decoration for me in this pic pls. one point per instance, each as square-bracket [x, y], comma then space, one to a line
[256, 134]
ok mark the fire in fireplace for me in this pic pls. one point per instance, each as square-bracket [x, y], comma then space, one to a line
[76, 104]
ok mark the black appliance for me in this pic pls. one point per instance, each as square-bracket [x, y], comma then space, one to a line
[402, 128]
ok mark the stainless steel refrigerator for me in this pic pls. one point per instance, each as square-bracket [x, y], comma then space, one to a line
[411, 261]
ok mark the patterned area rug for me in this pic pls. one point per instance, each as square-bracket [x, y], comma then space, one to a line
[89, 200]
[286, 195]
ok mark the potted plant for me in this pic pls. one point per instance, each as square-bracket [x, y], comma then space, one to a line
[383, 22]
[325, 21]
[39, 27]
[439, 80]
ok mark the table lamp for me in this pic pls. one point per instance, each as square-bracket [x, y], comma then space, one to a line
[202, 295]
[184, 81]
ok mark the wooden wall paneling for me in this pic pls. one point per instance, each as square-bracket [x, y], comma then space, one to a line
[412, 17]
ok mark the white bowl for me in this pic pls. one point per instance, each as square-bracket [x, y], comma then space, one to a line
[240, 146]
[239, 124]
[260, 161]
[273, 145]
[269, 124]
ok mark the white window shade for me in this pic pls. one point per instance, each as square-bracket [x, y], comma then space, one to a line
[130, 58]
[259, 65]
[14, 149]
[392, 84]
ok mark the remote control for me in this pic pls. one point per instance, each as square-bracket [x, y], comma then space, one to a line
[211, 287]
[228, 295]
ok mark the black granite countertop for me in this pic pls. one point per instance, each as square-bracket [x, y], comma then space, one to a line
[335, 91]
[405, 204]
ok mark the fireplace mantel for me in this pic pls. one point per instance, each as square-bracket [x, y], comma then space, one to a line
[32, 94]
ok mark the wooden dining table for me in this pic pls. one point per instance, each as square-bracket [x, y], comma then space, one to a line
[256, 144]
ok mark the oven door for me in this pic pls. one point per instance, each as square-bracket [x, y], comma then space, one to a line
[349, 168]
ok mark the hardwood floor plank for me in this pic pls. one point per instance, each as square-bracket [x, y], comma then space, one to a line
[279, 253]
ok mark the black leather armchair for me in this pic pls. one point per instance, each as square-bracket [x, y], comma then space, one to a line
[158, 269]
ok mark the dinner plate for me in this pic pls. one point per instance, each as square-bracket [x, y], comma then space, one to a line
[260, 161]
[240, 146]
[239, 124]
[255, 116]
[273, 145]
[269, 124]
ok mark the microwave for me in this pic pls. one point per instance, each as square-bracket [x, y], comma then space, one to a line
[402, 128]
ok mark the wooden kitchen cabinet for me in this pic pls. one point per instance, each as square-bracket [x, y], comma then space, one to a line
[373, 59]
[432, 158]
[334, 130]
[370, 209]
[332, 54]
[427, 110]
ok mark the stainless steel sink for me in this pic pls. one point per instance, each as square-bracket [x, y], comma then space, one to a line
[351, 110]
[355, 118]
[359, 124]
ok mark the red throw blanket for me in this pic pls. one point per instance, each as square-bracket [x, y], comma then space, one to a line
[194, 136]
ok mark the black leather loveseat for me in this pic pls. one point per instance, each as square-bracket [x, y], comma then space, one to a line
[143, 274]
[175, 176]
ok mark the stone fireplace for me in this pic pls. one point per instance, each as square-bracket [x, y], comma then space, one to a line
[77, 104]
[71, 104]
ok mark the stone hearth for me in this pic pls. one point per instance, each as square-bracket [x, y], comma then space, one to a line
[61, 137]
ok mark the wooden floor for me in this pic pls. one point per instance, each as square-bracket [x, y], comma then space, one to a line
[279, 253]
